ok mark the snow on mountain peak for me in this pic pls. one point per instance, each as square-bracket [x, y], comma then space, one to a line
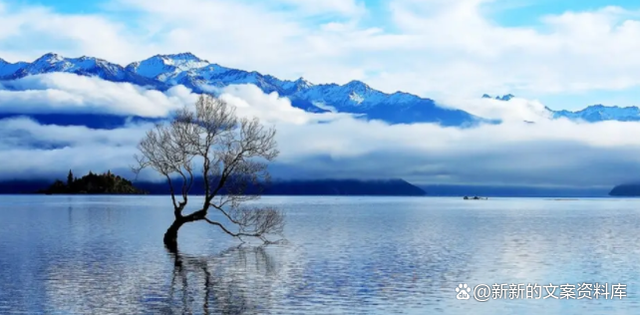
[185, 60]
[50, 57]
[297, 85]
[358, 91]
[356, 98]
[302, 82]
[49, 62]
[164, 67]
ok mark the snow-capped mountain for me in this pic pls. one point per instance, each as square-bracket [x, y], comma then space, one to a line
[593, 113]
[166, 67]
[353, 97]
[599, 112]
[82, 66]
[163, 71]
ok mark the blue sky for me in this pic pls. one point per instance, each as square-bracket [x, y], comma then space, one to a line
[66, 6]
[560, 54]
[528, 12]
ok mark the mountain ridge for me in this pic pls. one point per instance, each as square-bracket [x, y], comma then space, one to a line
[163, 71]
[591, 113]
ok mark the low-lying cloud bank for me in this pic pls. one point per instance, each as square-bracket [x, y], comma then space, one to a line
[70, 93]
[549, 152]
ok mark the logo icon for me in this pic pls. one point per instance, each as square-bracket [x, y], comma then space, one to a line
[462, 291]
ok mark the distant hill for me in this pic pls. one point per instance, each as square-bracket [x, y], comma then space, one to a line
[626, 190]
[330, 187]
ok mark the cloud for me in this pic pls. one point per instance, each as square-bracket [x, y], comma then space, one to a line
[70, 93]
[19, 131]
[33, 30]
[517, 109]
[574, 51]
[271, 108]
[31, 150]
[549, 152]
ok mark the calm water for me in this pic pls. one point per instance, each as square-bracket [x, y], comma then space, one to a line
[357, 255]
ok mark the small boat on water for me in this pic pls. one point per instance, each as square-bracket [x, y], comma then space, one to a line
[475, 198]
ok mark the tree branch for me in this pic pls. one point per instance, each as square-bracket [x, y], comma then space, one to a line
[229, 232]
[226, 214]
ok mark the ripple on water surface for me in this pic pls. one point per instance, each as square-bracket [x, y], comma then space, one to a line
[350, 255]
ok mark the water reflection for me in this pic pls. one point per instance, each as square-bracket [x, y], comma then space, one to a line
[104, 255]
[237, 281]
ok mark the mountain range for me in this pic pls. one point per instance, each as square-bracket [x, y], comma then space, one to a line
[162, 72]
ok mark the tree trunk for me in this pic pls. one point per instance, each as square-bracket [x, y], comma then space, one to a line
[171, 236]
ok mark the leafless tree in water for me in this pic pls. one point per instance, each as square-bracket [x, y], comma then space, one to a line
[229, 153]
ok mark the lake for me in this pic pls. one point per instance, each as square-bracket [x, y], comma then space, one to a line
[344, 255]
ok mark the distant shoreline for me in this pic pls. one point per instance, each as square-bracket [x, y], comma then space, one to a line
[550, 198]
[344, 187]
[325, 187]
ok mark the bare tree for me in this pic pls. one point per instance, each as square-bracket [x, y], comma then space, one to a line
[229, 153]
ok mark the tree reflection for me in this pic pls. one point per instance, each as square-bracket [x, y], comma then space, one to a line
[239, 280]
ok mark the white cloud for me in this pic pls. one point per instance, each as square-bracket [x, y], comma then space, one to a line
[64, 92]
[31, 150]
[271, 108]
[515, 110]
[569, 52]
[36, 29]
[549, 152]
[21, 130]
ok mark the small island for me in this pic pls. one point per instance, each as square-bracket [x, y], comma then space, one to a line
[106, 183]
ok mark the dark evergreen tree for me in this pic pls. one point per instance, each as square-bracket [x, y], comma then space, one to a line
[70, 179]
